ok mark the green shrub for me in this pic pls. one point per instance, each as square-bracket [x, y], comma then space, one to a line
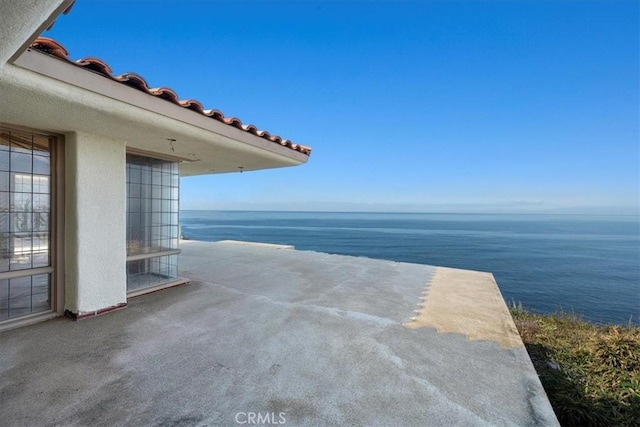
[591, 373]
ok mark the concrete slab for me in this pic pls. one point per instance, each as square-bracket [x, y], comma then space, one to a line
[261, 334]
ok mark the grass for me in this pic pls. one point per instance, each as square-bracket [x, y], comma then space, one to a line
[591, 373]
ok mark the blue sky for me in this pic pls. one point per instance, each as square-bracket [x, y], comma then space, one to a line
[469, 106]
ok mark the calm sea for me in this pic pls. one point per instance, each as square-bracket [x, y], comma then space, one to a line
[589, 265]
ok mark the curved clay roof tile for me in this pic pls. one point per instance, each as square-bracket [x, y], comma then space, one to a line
[214, 114]
[251, 129]
[52, 47]
[233, 121]
[165, 93]
[264, 134]
[133, 80]
[96, 65]
[192, 104]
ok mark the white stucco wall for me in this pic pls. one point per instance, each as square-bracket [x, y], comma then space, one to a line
[95, 221]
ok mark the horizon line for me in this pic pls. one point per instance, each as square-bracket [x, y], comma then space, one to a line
[416, 212]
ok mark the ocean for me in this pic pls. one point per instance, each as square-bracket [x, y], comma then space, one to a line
[588, 265]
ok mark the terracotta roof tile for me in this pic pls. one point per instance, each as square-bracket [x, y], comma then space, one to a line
[53, 48]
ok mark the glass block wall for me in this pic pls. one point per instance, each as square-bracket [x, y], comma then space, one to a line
[152, 221]
[25, 218]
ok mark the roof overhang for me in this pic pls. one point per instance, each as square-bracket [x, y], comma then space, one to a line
[44, 92]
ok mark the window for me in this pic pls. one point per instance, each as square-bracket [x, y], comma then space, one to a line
[26, 266]
[152, 221]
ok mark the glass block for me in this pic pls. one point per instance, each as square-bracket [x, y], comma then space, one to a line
[149, 227]
[134, 190]
[134, 205]
[156, 192]
[133, 174]
[166, 192]
[156, 177]
[145, 177]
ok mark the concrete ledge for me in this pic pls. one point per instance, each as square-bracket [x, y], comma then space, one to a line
[258, 244]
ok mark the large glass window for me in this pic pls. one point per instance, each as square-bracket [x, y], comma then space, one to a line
[25, 219]
[152, 221]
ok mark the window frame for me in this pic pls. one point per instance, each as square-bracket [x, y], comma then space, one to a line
[55, 269]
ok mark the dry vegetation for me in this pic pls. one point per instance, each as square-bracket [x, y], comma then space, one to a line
[591, 373]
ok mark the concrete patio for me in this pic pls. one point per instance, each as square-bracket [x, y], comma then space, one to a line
[292, 337]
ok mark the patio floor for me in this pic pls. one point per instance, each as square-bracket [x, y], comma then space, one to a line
[290, 337]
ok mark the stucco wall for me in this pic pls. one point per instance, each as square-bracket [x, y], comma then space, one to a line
[20, 20]
[95, 221]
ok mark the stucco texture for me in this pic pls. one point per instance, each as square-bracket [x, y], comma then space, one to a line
[95, 221]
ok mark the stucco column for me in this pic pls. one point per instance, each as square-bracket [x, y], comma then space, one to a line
[95, 224]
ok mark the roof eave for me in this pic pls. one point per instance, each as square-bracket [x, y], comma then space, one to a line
[63, 7]
[253, 152]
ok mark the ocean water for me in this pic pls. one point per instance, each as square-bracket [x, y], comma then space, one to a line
[588, 265]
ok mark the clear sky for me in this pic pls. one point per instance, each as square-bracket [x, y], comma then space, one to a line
[468, 106]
